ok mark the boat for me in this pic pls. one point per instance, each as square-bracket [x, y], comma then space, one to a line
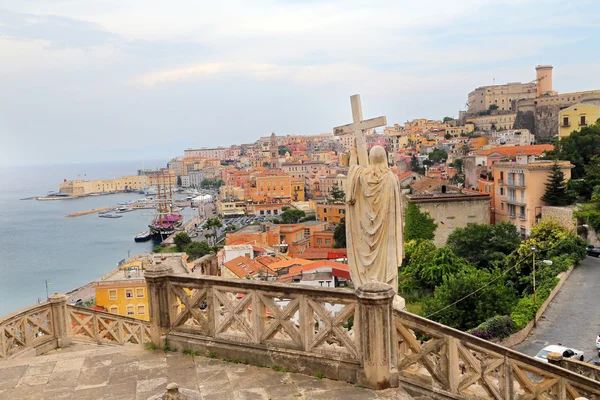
[109, 216]
[143, 236]
[122, 210]
[167, 219]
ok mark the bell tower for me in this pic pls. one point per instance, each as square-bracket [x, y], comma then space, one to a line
[274, 152]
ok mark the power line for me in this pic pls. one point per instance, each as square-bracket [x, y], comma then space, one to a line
[490, 282]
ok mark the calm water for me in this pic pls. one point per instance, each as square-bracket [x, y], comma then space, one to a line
[37, 242]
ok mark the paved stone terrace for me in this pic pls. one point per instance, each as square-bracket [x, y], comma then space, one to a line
[131, 372]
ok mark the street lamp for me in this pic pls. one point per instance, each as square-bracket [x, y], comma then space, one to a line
[47, 282]
[533, 253]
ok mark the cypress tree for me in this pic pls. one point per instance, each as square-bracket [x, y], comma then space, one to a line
[556, 188]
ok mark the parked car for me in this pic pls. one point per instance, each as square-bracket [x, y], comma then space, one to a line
[593, 251]
[565, 351]
[598, 344]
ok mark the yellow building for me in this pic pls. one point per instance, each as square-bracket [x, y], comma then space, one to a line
[123, 291]
[497, 122]
[456, 131]
[519, 188]
[577, 116]
[131, 182]
[333, 213]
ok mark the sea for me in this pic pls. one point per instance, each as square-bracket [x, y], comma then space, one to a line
[38, 244]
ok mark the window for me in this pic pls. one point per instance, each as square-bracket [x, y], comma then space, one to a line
[114, 310]
[141, 309]
[139, 292]
[342, 212]
[582, 121]
[129, 293]
[112, 294]
[327, 241]
[502, 191]
[319, 241]
[130, 310]
[565, 121]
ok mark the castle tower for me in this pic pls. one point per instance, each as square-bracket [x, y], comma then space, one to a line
[543, 77]
[274, 152]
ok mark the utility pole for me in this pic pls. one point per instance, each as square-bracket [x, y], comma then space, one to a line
[534, 293]
[47, 282]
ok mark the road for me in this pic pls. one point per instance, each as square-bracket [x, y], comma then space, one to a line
[573, 317]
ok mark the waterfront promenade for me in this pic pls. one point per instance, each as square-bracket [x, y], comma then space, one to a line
[131, 372]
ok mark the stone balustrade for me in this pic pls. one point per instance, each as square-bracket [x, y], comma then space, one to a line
[38, 329]
[347, 335]
[452, 364]
[579, 367]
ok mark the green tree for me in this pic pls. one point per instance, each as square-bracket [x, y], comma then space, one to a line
[339, 235]
[181, 240]
[212, 183]
[488, 295]
[214, 224]
[415, 165]
[196, 250]
[282, 150]
[292, 216]
[179, 181]
[579, 148]
[482, 244]
[337, 193]
[556, 188]
[458, 164]
[493, 107]
[446, 119]
[592, 174]
[447, 136]
[437, 155]
[418, 225]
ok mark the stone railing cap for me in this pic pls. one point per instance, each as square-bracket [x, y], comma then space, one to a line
[375, 290]
[159, 270]
[57, 298]
[553, 356]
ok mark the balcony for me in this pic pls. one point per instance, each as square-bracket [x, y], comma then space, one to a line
[522, 217]
[512, 200]
[513, 183]
[512, 215]
[563, 125]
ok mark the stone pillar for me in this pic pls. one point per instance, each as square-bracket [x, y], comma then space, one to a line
[158, 302]
[555, 358]
[376, 336]
[60, 319]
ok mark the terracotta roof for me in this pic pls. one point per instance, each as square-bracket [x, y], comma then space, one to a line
[314, 265]
[313, 253]
[534, 149]
[425, 184]
[268, 260]
[243, 266]
[403, 175]
[288, 263]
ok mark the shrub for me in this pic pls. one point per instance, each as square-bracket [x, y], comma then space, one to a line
[523, 312]
[497, 327]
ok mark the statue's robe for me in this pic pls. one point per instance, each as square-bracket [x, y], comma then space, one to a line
[374, 235]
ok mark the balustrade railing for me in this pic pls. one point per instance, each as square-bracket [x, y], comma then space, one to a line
[435, 358]
[43, 327]
[30, 328]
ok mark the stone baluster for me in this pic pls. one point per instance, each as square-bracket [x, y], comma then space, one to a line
[159, 302]
[376, 336]
[60, 319]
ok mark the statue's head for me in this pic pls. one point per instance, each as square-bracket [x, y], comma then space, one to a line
[377, 156]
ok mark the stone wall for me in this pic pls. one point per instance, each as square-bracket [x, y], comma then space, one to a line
[452, 214]
[563, 215]
[525, 120]
[546, 121]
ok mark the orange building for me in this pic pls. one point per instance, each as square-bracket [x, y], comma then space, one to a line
[478, 143]
[293, 235]
[265, 234]
[332, 213]
[271, 186]
[322, 240]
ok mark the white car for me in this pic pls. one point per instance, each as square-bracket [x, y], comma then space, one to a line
[565, 351]
[598, 344]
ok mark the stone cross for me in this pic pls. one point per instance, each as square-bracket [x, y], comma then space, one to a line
[358, 128]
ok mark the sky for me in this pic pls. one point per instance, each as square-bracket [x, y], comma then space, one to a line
[108, 80]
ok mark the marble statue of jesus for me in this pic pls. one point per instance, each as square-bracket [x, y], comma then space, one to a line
[374, 215]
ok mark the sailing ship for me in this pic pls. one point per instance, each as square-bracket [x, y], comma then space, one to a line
[167, 218]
